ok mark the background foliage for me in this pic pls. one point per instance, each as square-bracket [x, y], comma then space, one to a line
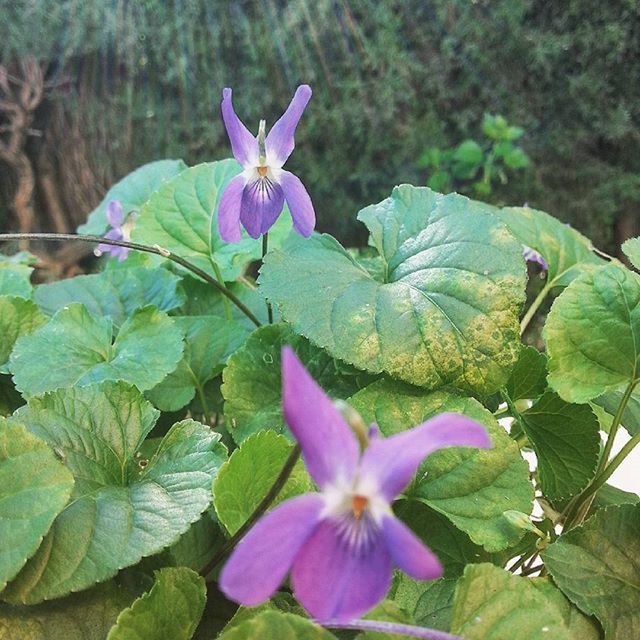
[128, 82]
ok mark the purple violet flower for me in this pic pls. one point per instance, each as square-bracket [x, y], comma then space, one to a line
[341, 543]
[256, 197]
[531, 255]
[120, 230]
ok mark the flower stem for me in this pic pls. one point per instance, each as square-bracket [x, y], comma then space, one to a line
[225, 300]
[391, 627]
[159, 251]
[258, 512]
[265, 249]
[535, 305]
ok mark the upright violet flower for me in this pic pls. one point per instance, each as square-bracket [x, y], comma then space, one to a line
[531, 255]
[341, 543]
[256, 197]
[120, 230]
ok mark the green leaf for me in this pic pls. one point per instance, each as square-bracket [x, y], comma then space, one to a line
[124, 507]
[181, 216]
[115, 293]
[516, 158]
[18, 317]
[252, 387]
[567, 252]
[386, 611]
[273, 624]
[471, 487]
[15, 275]
[610, 401]
[81, 616]
[631, 248]
[453, 290]
[430, 603]
[209, 341]
[75, 348]
[132, 192]
[197, 546]
[10, 399]
[593, 334]
[34, 488]
[597, 566]
[492, 604]
[171, 610]
[566, 439]
[245, 479]
[468, 152]
[529, 377]
[608, 495]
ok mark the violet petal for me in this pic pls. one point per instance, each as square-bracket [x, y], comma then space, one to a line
[262, 203]
[229, 210]
[115, 213]
[335, 581]
[329, 448]
[243, 144]
[393, 461]
[280, 139]
[407, 551]
[264, 556]
[300, 205]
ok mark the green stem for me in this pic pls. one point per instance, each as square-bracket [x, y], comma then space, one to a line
[615, 425]
[203, 402]
[225, 301]
[159, 251]
[258, 512]
[535, 305]
[265, 249]
[523, 439]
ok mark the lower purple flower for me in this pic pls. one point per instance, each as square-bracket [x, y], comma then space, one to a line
[341, 544]
[531, 255]
[120, 230]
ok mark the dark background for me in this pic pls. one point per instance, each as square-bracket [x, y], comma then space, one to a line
[104, 86]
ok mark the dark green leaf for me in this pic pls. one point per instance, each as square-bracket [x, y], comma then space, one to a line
[597, 566]
[170, 611]
[529, 377]
[453, 290]
[124, 507]
[132, 192]
[430, 603]
[75, 348]
[610, 401]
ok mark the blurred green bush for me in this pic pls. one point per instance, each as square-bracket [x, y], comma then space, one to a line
[141, 80]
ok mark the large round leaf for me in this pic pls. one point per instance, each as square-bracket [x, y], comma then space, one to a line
[181, 216]
[252, 380]
[471, 487]
[124, 507]
[75, 348]
[15, 274]
[132, 191]
[447, 310]
[593, 334]
[18, 317]
[34, 488]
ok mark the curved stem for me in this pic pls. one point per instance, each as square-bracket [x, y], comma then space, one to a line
[159, 251]
[535, 305]
[258, 512]
[391, 627]
[615, 425]
[265, 249]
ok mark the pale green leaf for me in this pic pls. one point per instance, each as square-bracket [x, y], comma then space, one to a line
[566, 439]
[15, 275]
[597, 566]
[252, 386]
[81, 616]
[245, 479]
[34, 488]
[447, 310]
[171, 610]
[124, 507]
[18, 317]
[492, 604]
[610, 401]
[471, 487]
[593, 334]
[132, 192]
[631, 248]
[75, 348]
[116, 293]
[273, 624]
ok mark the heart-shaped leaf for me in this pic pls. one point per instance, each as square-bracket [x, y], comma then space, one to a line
[75, 348]
[15, 274]
[471, 487]
[124, 507]
[132, 192]
[18, 317]
[34, 488]
[447, 310]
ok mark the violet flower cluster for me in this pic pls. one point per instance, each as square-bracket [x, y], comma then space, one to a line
[341, 543]
[120, 230]
[256, 197]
